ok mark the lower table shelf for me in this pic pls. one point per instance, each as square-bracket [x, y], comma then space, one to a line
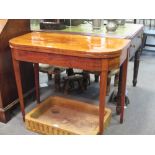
[61, 116]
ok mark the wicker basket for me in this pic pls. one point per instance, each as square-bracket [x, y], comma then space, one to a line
[61, 116]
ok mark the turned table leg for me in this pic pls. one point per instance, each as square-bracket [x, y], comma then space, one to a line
[102, 99]
[36, 75]
[16, 65]
[122, 89]
[136, 65]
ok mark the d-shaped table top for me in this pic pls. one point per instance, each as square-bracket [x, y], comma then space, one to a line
[69, 44]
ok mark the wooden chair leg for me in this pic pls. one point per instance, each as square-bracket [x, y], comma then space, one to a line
[81, 87]
[108, 86]
[70, 71]
[86, 80]
[116, 80]
[36, 75]
[96, 78]
[66, 87]
[49, 77]
[57, 79]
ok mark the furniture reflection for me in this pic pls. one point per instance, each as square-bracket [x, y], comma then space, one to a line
[112, 54]
[8, 91]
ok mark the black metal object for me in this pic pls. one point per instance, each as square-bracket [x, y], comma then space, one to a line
[52, 24]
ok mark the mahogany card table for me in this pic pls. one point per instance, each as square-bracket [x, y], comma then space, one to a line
[92, 53]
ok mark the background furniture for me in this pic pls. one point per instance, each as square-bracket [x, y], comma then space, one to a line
[52, 70]
[8, 91]
[69, 81]
[149, 31]
[49, 70]
[81, 77]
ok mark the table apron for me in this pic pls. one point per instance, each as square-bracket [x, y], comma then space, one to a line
[91, 64]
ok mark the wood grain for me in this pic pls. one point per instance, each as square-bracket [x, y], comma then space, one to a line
[8, 91]
[102, 96]
[73, 51]
[73, 45]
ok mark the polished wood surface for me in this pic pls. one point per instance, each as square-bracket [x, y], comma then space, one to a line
[73, 51]
[102, 97]
[8, 91]
[73, 45]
